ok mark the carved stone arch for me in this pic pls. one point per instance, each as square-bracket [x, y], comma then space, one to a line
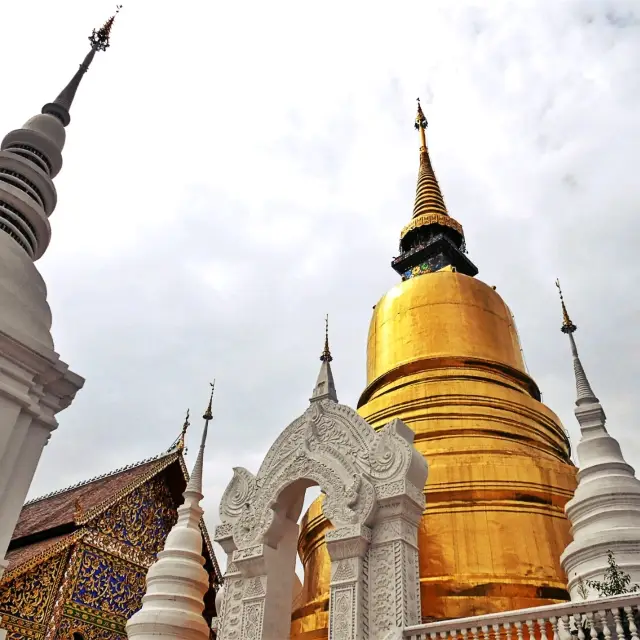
[373, 482]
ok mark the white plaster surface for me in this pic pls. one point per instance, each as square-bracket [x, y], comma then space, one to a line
[373, 484]
[24, 311]
[35, 385]
[605, 509]
[177, 582]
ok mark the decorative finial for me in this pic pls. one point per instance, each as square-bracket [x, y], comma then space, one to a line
[208, 414]
[567, 325]
[326, 353]
[99, 39]
[181, 439]
[77, 509]
[421, 125]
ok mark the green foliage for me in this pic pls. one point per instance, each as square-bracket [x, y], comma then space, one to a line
[616, 581]
[583, 589]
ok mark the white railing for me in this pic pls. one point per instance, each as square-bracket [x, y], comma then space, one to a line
[604, 619]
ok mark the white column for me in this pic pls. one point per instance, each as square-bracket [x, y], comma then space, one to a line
[267, 584]
[394, 576]
[12, 501]
[228, 623]
[348, 548]
[34, 386]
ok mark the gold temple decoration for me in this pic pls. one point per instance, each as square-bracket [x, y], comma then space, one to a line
[567, 325]
[77, 510]
[326, 353]
[444, 356]
[428, 195]
[181, 438]
[208, 414]
[429, 207]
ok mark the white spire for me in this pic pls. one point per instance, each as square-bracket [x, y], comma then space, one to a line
[177, 583]
[605, 509]
[30, 157]
[325, 388]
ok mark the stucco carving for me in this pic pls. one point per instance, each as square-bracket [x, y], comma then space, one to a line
[370, 480]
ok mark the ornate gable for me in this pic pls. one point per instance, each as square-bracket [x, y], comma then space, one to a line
[26, 601]
[116, 526]
[141, 519]
[101, 594]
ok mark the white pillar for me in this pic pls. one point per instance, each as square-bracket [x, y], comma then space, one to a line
[27, 460]
[34, 387]
[348, 548]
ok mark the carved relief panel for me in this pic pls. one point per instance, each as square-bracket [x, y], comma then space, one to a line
[103, 594]
[27, 601]
[141, 519]
[371, 482]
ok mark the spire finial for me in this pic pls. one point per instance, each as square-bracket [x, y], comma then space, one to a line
[326, 353]
[429, 200]
[567, 325]
[183, 433]
[421, 125]
[583, 388]
[99, 40]
[208, 414]
[194, 486]
[432, 240]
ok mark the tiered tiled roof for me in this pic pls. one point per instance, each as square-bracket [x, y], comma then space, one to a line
[51, 522]
[59, 507]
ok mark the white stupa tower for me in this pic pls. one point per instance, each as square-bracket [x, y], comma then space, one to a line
[177, 583]
[35, 383]
[605, 510]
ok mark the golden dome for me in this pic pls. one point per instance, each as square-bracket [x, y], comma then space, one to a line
[444, 315]
[444, 356]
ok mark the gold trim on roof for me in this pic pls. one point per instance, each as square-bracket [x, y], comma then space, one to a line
[432, 218]
[42, 556]
[101, 507]
[82, 518]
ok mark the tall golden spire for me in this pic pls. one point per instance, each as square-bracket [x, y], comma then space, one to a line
[432, 240]
[428, 195]
[567, 325]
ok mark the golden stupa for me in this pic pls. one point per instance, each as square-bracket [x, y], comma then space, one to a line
[444, 356]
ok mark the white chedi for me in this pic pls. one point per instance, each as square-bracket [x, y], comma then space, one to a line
[173, 604]
[605, 509]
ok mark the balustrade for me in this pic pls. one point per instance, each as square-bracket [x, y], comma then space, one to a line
[615, 618]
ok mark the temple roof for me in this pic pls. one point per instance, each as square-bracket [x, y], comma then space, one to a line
[49, 523]
[59, 508]
[24, 555]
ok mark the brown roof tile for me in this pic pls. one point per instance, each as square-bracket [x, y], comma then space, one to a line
[24, 554]
[58, 509]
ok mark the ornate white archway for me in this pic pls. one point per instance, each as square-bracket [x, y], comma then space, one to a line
[373, 483]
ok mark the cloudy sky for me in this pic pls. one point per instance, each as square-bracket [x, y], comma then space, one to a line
[235, 170]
